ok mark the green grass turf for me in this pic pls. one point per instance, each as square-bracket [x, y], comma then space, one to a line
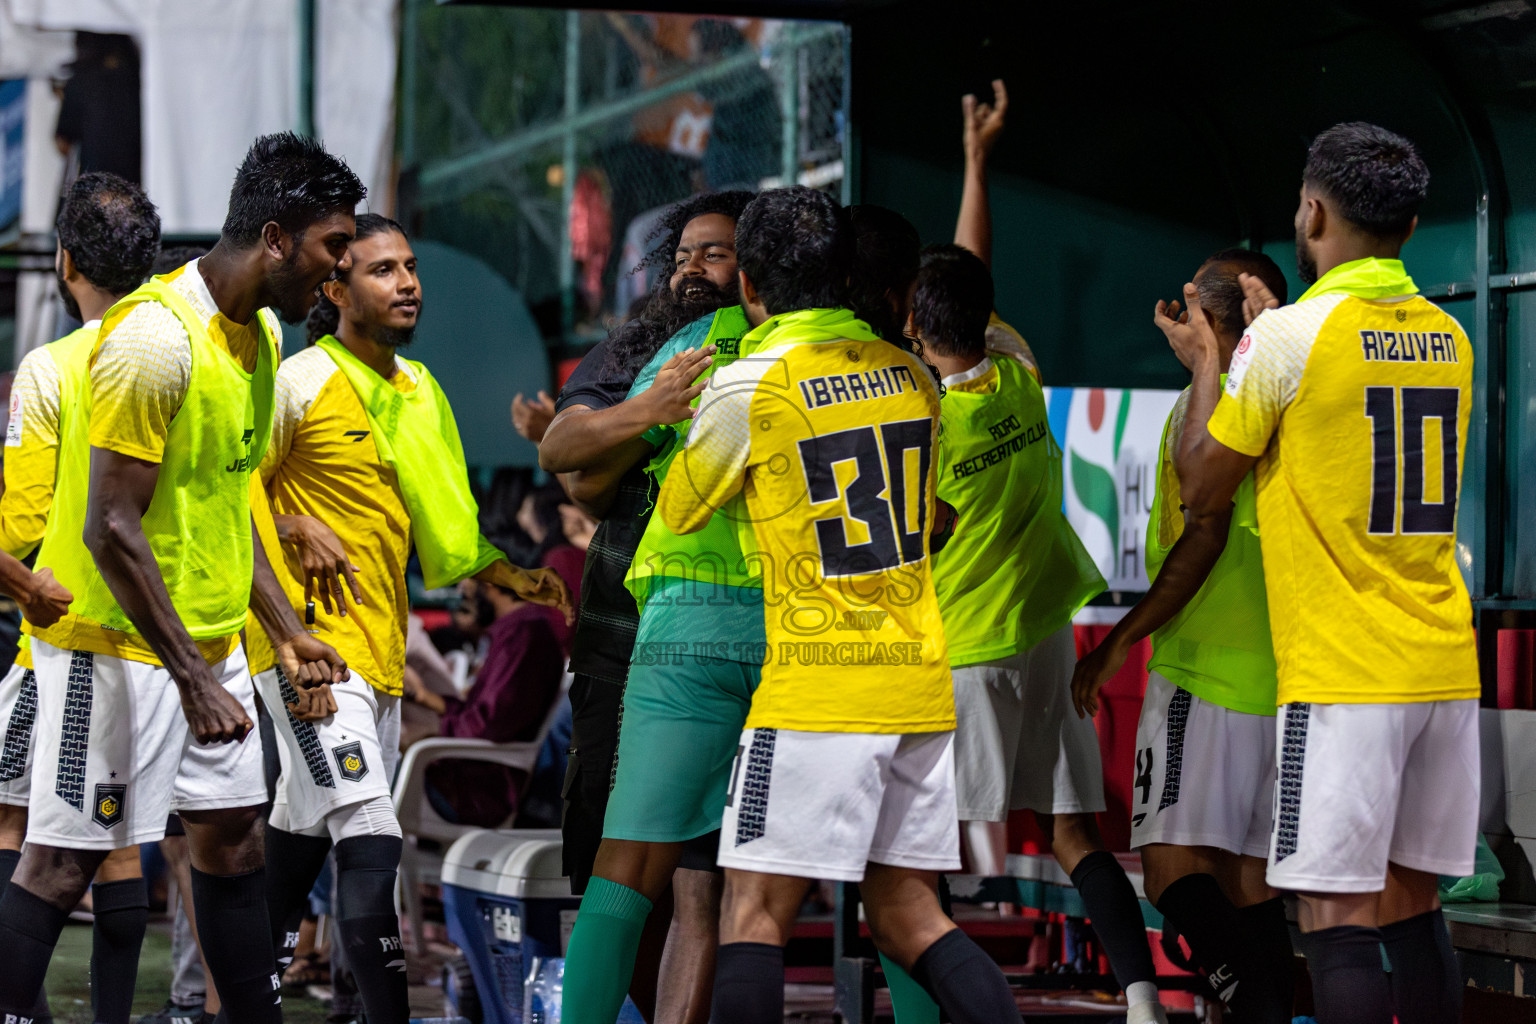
[69, 985]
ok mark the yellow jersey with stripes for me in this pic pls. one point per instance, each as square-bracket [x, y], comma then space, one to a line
[1356, 399]
[38, 397]
[829, 434]
[322, 463]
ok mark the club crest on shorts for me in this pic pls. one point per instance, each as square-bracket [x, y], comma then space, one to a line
[107, 810]
[350, 762]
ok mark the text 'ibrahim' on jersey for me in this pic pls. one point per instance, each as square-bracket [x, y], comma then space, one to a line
[1357, 398]
[829, 433]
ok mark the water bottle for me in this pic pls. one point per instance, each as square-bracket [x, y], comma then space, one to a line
[554, 987]
[533, 1000]
[541, 994]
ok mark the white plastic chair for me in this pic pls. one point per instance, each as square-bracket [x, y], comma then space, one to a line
[419, 820]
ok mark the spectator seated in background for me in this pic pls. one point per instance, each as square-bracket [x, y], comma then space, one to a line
[516, 685]
[545, 515]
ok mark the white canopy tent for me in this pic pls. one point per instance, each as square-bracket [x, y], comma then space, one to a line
[214, 76]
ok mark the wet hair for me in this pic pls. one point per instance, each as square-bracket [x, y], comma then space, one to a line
[954, 301]
[324, 317]
[796, 247]
[1222, 294]
[177, 256]
[632, 343]
[111, 231]
[887, 251]
[1376, 177]
[289, 179]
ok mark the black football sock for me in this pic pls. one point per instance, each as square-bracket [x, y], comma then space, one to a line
[237, 944]
[369, 926]
[1426, 980]
[1348, 983]
[293, 863]
[1266, 923]
[749, 983]
[29, 929]
[1227, 952]
[964, 981]
[8, 861]
[122, 913]
[1115, 913]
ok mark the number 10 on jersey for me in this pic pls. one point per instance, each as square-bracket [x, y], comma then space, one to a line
[1402, 485]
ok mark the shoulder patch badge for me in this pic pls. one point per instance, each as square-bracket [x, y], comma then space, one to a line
[350, 762]
[107, 810]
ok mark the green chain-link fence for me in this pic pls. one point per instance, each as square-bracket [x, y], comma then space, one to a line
[545, 141]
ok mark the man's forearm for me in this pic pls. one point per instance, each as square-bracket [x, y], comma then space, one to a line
[1204, 391]
[127, 563]
[594, 489]
[585, 440]
[15, 578]
[1184, 572]
[269, 602]
[973, 228]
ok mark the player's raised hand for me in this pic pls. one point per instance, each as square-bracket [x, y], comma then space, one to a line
[322, 560]
[1096, 668]
[1256, 297]
[542, 586]
[45, 600]
[309, 661]
[530, 417]
[314, 703]
[983, 121]
[670, 398]
[1189, 333]
[212, 712]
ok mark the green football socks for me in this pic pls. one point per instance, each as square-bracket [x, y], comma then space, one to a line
[601, 957]
[909, 1001]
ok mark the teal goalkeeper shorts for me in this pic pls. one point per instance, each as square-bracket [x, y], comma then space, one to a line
[682, 723]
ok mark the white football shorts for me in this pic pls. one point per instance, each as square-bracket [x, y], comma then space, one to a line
[1018, 741]
[18, 714]
[825, 804]
[1205, 774]
[1361, 785]
[114, 756]
[336, 762]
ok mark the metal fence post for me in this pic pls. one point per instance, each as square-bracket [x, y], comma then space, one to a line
[568, 171]
[789, 105]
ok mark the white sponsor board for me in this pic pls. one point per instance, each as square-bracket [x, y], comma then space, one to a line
[1109, 439]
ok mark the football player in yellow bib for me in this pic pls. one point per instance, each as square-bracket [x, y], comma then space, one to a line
[108, 234]
[846, 769]
[365, 466]
[1351, 407]
[144, 695]
[1205, 742]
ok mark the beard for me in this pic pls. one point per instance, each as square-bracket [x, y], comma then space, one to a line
[291, 297]
[666, 312]
[70, 305]
[1306, 262]
[695, 297]
[395, 337]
